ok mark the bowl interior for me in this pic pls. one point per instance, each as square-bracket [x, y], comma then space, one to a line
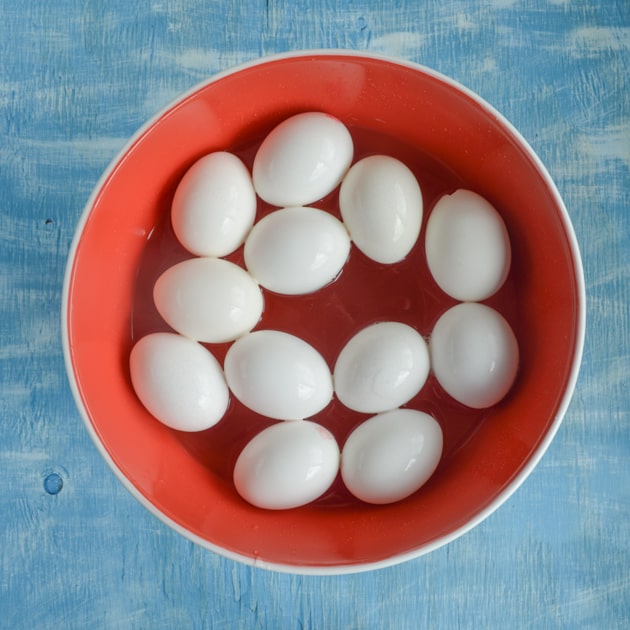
[450, 139]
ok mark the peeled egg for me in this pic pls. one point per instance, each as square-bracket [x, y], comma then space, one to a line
[287, 465]
[381, 205]
[391, 455]
[296, 250]
[474, 354]
[278, 375]
[178, 381]
[214, 205]
[467, 246]
[382, 367]
[208, 299]
[302, 159]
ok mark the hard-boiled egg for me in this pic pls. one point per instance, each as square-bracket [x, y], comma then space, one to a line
[474, 354]
[382, 367]
[296, 250]
[391, 455]
[381, 205]
[302, 159]
[214, 205]
[178, 381]
[278, 375]
[467, 246]
[287, 465]
[208, 299]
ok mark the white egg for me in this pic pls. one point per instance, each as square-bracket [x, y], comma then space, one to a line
[467, 246]
[178, 381]
[390, 456]
[302, 159]
[214, 205]
[296, 250]
[381, 204]
[208, 299]
[278, 375]
[382, 367]
[474, 354]
[287, 465]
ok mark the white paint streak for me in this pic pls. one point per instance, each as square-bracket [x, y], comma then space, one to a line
[91, 149]
[464, 22]
[612, 143]
[400, 43]
[28, 458]
[593, 40]
[502, 4]
[202, 61]
[486, 65]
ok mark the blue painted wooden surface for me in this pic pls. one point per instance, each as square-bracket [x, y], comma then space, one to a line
[76, 550]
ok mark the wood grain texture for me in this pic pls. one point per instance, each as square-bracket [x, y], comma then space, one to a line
[76, 80]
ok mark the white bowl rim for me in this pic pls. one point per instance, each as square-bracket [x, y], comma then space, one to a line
[534, 458]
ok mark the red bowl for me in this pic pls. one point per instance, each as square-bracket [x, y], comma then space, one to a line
[450, 138]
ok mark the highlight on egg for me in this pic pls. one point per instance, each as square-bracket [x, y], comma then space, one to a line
[214, 205]
[302, 159]
[178, 381]
[474, 354]
[382, 367]
[381, 205]
[208, 299]
[467, 246]
[278, 375]
[391, 455]
[296, 250]
[287, 465]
